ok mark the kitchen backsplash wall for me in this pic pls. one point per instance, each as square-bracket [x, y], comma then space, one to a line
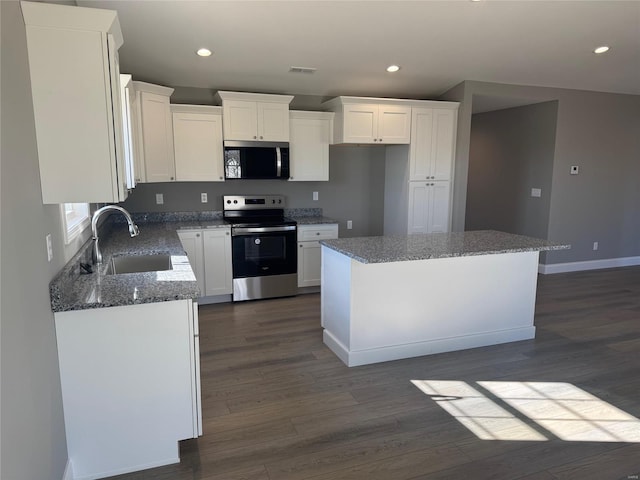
[353, 192]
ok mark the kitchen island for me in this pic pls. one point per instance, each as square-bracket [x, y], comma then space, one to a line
[393, 297]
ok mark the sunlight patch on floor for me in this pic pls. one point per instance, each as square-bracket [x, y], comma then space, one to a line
[532, 409]
[486, 419]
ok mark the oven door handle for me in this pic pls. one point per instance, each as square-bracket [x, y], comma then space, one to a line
[236, 231]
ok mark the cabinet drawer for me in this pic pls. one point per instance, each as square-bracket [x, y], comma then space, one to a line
[317, 232]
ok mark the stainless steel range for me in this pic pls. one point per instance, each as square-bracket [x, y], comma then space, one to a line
[263, 247]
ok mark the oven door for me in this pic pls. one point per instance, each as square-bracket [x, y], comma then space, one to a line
[264, 251]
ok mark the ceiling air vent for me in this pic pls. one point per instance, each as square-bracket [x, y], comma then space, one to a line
[302, 70]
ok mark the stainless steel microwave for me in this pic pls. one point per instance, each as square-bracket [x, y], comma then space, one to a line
[256, 160]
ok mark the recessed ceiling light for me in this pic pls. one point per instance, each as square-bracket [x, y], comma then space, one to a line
[601, 49]
[204, 52]
[393, 68]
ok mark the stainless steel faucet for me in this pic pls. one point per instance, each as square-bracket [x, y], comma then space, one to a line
[133, 228]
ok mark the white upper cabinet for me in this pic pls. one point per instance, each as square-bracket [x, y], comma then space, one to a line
[75, 85]
[311, 135]
[255, 117]
[126, 95]
[156, 132]
[371, 120]
[433, 143]
[197, 142]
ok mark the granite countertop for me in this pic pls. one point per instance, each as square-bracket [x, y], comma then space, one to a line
[404, 248]
[72, 290]
[314, 220]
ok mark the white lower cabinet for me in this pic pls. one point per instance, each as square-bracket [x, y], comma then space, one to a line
[428, 207]
[217, 261]
[310, 252]
[130, 379]
[192, 243]
[209, 253]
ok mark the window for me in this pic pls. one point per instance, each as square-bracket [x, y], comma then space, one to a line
[75, 219]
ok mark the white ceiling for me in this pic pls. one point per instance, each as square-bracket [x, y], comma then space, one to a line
[437, 43]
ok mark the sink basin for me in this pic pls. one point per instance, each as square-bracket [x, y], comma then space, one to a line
[138, 264]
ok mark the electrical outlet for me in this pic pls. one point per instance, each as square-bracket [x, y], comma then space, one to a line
[159, 198]
[536, 192]
[203, 198]
[349, 224]
[49, 248]
[315, 195]
[595, 245]
[574, 170]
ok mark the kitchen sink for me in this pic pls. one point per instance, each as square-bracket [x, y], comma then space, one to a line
[138, 264]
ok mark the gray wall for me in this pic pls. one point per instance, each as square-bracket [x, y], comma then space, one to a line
[600, 132]
[33, 437]
[354, 191]
[511, 152]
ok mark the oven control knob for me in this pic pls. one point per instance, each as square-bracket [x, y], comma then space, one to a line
[228, 201]
[280, 201]
[273, 201]
[235, 201]
[257, 241]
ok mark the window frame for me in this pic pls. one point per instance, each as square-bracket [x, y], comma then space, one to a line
[76, 218]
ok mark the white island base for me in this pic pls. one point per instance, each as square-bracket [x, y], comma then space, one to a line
[375, 312]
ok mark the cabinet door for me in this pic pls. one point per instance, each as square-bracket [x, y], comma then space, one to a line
[136, 137]
[394, 124]
[439, 200]
[309, 264]
[421, 144]
[217, 261]
[157, 138]
[240, 120]
[418, 207]
[360, 123]
[126, 96]
[273, 122]
[197, 142]
[192, 243]
[309, 149]
[73, 110]
[443, 143]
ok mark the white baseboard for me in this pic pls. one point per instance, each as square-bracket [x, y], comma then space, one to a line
[429, 347]
[68, 471]
[588, 265]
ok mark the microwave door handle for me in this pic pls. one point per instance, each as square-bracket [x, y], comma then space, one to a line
[278, 162]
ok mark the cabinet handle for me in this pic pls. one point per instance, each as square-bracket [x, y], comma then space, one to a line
[171, 178]
[220, 178]
[226, 233]
[317, 233]
[300, 245]
[375, 139]
[197, 234]
[379, 139]
[261, 137]
[254, 137]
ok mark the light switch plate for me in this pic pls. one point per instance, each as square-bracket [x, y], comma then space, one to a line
[203, 198]
[159, 198]
[349, 224]
[536, 192]
[315, 195]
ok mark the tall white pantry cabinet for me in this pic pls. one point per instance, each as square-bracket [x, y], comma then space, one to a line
[417, 196]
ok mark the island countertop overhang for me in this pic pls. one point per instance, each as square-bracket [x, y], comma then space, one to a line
[403, 248]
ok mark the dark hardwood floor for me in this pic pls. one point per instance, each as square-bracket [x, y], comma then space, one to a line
[278, 405]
